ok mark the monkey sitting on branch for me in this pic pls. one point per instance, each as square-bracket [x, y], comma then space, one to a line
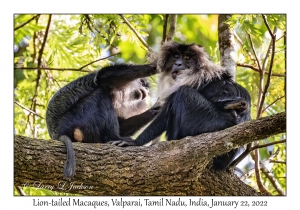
[106, 105]
[197, 96]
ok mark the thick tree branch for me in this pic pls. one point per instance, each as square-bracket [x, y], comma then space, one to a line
[168, 168]
[164, 37]
[172, 28]
[227, 46]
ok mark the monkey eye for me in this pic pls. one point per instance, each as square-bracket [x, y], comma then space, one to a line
[187, 57]
[144, 83]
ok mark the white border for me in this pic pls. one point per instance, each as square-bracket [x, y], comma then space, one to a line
[146, 7]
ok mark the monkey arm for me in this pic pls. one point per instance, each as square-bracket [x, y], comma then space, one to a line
[156, 128]
[131, 125]
[120, 75]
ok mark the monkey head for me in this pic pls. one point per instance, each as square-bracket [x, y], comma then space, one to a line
[188, 63]
[183, 64]
[131, 99]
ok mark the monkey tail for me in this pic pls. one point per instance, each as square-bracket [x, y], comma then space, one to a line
[70, 165]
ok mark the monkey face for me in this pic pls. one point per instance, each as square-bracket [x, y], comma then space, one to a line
[181, 62]
[175, 58]
[131, 99]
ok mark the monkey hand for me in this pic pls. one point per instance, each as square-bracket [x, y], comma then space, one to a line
[123, 143]
[155, 109]
[239, 105]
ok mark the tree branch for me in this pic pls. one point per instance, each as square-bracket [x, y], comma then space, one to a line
[256, 158]
[44, 42]
[29, 110]
[136, 33]
[99, 60]
[172, 29]
[257, 69]
[272, 179]
[271, 104]
[265, 162]
[265, 90]
[67, 69]
[168, 168]
[164, 37]
[268, 27]
[28, 21]
[52, 69]
[268, 144]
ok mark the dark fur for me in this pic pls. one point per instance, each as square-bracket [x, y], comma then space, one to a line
[102, 106]
[198, 97]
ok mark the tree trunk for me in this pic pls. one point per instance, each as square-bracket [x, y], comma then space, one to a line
[227, 47]
[168, 168]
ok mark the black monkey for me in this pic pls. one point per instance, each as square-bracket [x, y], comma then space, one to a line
[198, 97]
[106, 105]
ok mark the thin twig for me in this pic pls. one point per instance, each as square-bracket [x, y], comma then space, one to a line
[265, 61]
[28, 21]
[265, 162]
[257, 167]
[269, 75]
[136, 33]
[272, 179]
[164, 37]
[99, 60]
[242, 44]
[242, 156]
[261, 81]
[248, 66]
[172, 29]
[254, 52]
[268, 27]
[29, 110]
[39, 73]
[66, 69]
[268, 144]
[280, 37]
[257, 70]
[44, 42]
[272, 104]
[52, 69]
[21, 192]
[91, 25]
[277, 161]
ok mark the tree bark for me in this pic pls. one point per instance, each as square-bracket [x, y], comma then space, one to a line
[168, 168]
[227, 46]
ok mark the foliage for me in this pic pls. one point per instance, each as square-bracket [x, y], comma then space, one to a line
[74, 42]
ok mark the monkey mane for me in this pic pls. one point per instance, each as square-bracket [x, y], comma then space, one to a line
[204, 70]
